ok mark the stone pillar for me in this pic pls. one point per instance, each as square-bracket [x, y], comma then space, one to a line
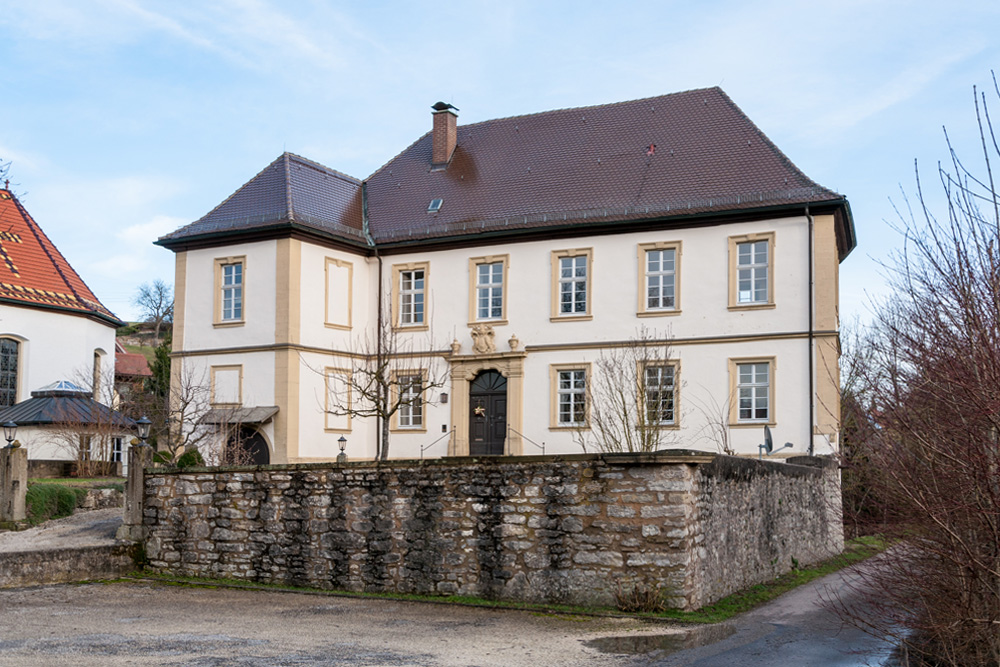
[139, 457]
[13, 483]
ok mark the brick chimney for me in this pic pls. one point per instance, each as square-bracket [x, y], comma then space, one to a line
[445, 134]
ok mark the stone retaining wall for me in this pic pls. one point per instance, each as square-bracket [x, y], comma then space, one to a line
[555, 529]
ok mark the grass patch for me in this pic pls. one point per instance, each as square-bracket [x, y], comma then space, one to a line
[144, 350]
[51, 501]
[855, 551]
[86, 482]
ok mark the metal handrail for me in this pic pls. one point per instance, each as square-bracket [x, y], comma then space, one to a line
[512, 429]
[428, 446]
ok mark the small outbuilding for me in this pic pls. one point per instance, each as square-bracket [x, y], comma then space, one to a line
[67, 432]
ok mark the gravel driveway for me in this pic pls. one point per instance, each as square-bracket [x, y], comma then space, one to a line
[153, 624]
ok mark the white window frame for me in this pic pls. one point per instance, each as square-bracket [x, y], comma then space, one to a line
[650, 398]
[117, 449]
[647, 277]
[758, 269]
[404, 301]
[572, 261]
[228, 289]
[411, 413]
[489, 291]
[755, 388]
[570, 386]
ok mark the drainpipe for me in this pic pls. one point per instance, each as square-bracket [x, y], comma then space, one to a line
[378, 331]
[812, 334]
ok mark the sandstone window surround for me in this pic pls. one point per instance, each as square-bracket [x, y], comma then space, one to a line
[338, 399]
[572, 271]
[569, 397]
[751, 271]
[230, 294]
[752, 383]
[339, 301]
[488, 289]
[408, 389]
[660, 393]
[659, 282]
[226, 386]
[409, 295]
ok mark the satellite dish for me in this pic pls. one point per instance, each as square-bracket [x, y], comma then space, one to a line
[768, 446]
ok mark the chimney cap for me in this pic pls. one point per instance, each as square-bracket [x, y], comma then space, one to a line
[442, 106]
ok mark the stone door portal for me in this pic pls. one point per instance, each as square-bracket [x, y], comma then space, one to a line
[247, 446]
[487, 414]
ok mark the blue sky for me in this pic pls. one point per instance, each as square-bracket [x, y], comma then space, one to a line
[126, 119]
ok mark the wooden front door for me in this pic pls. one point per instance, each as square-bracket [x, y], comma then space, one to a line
[487, 414]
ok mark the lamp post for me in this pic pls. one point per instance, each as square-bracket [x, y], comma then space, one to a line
[342, 457]
[142, 426]
[9, 431]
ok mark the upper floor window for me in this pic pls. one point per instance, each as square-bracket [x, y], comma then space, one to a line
[410, 295]
[751, 270]
[489, 291]
[659, 391]
[232, 291]
[230, 281]
[9, 357]
[659, 278]
[571, 274]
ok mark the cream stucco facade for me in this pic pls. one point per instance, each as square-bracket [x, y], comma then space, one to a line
[308, 307]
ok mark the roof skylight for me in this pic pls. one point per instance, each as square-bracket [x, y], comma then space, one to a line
[435, 205]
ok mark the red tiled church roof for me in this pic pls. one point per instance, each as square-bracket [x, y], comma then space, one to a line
[34, 273]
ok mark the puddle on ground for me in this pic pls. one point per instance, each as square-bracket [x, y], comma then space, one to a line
[678, 641]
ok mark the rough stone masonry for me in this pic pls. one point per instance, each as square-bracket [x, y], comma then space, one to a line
[568, 529]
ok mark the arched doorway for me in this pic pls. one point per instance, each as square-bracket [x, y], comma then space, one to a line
[487, 414]
[246, 446]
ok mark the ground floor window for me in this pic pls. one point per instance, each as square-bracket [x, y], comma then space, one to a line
[572, 397]
[117, 446]
[754, 391]
[659, 394]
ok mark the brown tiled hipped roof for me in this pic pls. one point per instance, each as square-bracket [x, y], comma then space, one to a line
[290, 191]
[32, 270]
[657, 159]
[672, 155]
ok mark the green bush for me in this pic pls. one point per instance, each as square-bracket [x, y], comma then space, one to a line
[51, 501]
[163, 457]
[191, 457]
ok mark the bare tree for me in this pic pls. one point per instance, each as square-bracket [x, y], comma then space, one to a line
[631, 397]
[715, 421]
[156, 304]
[931, 390]
[388, 378]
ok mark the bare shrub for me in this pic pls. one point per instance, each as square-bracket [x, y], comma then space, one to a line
[931, 390]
